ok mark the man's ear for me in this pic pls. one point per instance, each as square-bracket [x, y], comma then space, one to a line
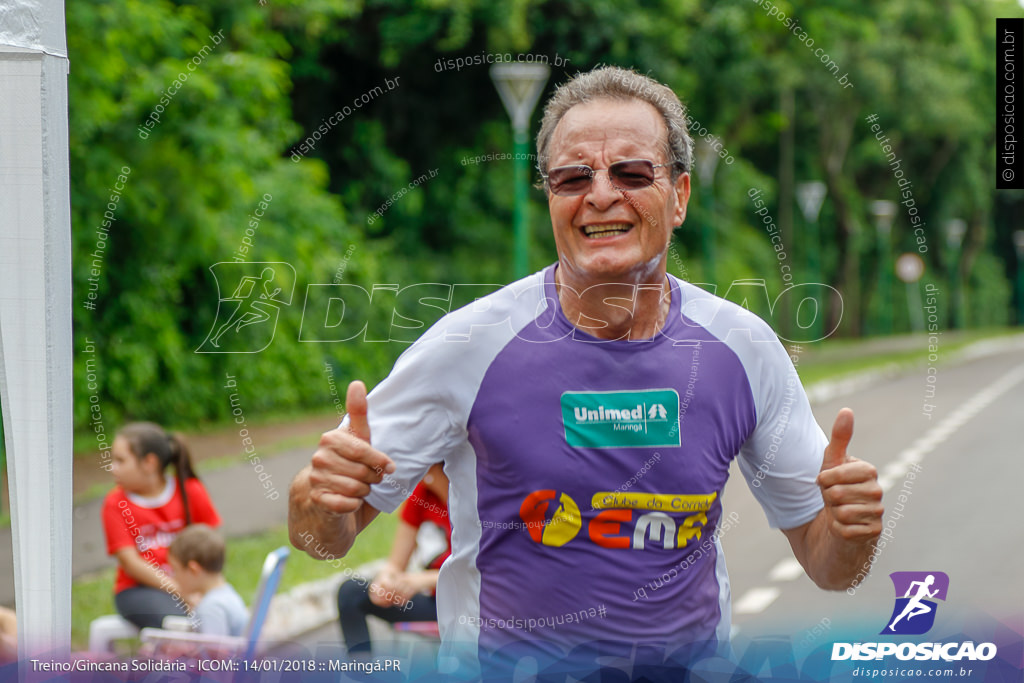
[682, 189]
[193, 566]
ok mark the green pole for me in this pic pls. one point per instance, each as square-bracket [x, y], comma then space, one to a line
[521, 178]
[885, 285]
[3, 454]
[954, 294]
[1020, 287]
[707, 235]
[955, 230]
[814, 270]
[1018, 246]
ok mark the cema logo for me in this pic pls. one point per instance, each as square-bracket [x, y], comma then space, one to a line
[247, 317]
[621, 419]
[627, 520]
[916, 593]
[551, 518]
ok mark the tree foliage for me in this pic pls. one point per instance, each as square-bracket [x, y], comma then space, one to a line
[285, 70]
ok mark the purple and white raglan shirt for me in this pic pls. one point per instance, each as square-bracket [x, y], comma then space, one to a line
[582, 469]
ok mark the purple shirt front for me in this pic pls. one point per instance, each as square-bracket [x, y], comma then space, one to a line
[587, 475]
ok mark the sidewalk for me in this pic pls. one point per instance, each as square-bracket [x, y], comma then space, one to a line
[235, 490]
[224, 442]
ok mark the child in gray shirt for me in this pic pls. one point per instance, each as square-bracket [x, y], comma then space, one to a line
[197, 557]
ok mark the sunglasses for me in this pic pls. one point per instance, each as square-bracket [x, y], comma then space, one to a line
[631, 174]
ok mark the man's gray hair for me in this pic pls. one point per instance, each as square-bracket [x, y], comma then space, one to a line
[615, 83]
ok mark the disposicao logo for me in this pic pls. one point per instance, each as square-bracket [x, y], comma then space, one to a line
[916, 592]
[913, 615]
[621, 419]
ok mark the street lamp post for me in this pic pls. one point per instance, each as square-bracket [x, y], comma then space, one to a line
[884, 212]
[955, 230]
[707, 160]
[910, 268]
[519, 86]
[811, 195]
[1018, 243]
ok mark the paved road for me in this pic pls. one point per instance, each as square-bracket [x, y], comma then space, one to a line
[962, 512]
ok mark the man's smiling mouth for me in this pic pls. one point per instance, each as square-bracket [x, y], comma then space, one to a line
[606, 230]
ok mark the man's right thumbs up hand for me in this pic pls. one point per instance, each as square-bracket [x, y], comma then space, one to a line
[345, 464]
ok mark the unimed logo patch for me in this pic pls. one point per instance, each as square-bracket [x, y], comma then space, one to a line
[621, 419]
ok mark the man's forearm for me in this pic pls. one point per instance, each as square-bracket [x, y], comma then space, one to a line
[831, 561]
[315, 530]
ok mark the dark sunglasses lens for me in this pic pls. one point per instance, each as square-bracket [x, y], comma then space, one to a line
[570, 180]
[635, 174]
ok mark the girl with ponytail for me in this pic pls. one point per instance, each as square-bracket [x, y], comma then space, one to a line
[143, 514]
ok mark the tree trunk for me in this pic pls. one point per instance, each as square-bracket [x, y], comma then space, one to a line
[974, 242]
[834, 143]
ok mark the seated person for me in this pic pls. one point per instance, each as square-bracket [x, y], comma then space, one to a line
[8, 635]
[197, 557]
[396, 594]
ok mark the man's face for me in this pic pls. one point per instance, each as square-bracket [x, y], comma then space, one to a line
[598, 134]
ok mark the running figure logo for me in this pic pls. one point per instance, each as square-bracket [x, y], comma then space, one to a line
[258, 290]
[657, 412]
[914, 612]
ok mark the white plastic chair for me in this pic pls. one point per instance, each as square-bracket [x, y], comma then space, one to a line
[103, 631]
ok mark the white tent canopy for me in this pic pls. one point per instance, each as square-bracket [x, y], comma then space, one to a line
[35, 316]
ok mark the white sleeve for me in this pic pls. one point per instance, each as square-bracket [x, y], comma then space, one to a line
[782, 458]
[409, 420]
[419, 414]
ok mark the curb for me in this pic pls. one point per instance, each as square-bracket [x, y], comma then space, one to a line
[310, 606]
[829, 389]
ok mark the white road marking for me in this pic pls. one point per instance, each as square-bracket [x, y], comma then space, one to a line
[787, 570]
[942, 431]
[756, 600]
[895, 469]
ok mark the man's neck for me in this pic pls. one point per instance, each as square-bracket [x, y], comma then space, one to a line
[616, 310]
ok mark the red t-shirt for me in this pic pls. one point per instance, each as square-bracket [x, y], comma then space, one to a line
[423, 506]
[150, 524]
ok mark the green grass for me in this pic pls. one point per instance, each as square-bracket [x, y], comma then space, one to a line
[834, 359]
[812, 371]
[84, 440]
[93, 595]
[308, 441]
[100, 489]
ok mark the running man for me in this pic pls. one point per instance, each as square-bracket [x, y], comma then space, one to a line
[539, 401]
[915, 606]
[252, 304]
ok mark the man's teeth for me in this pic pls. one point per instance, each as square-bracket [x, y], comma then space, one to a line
[606, 230]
